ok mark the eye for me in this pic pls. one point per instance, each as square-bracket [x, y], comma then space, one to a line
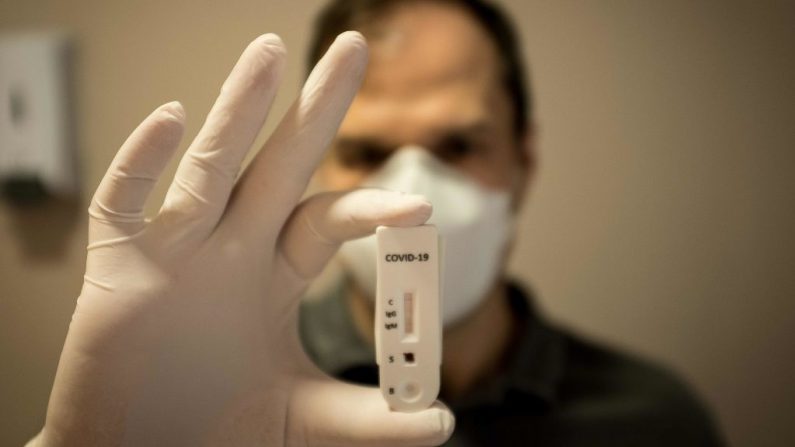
[454, 148]
[364, 156]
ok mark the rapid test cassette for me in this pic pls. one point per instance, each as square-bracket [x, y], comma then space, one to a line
[408, 334]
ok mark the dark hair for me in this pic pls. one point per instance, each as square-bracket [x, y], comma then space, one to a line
[342, 15]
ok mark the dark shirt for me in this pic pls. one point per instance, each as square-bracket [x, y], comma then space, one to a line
[556, 389]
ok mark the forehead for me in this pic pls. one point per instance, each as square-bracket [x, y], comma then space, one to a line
[429, 61]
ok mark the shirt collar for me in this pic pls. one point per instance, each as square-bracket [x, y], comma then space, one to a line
[533, 369]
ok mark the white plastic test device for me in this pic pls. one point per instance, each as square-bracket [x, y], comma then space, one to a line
[408, 336]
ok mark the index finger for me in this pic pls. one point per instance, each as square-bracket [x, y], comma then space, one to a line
[278, 175]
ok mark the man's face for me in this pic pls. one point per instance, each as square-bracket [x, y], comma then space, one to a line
[434, 80]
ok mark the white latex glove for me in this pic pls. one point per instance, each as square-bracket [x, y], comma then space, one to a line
[185, 332]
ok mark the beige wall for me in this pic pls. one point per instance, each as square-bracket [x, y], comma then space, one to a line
[661, 220]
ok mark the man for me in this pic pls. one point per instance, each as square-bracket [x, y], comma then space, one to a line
[442, 108]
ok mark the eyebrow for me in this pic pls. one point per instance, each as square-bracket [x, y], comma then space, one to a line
[475, 128]
[344, 143]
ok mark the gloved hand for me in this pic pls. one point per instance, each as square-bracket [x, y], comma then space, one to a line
[185, 332]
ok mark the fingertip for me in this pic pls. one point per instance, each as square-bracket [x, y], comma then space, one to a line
[375, 206]
[446, 424]
[354, 37]
[261, 64]
[272, 53]
[355, 46]
[172, 111]
[168, 122]
[271, 43]
[406, 209]
[421, 203]
[421, 214]
[272, 38]
[432, 426]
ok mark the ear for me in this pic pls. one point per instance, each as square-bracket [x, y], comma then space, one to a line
[528, 162]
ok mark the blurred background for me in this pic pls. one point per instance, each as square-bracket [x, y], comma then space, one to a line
[662, 219]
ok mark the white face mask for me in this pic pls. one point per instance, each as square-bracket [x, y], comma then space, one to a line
[474, 224]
